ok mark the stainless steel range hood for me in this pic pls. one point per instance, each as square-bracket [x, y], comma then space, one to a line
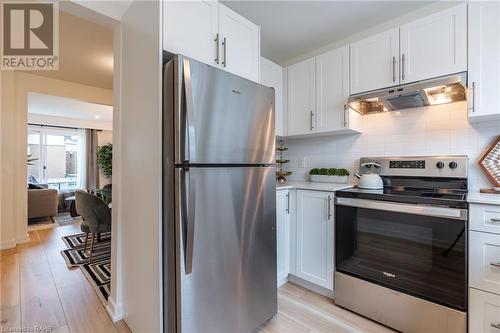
[441, 90]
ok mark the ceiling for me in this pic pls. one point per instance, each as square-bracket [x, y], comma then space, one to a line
[292, 28]
[85, 53]
[56, 106]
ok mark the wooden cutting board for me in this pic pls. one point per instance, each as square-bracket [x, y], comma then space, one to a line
[489, 191]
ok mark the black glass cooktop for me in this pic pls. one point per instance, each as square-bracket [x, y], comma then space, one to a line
[438, 197]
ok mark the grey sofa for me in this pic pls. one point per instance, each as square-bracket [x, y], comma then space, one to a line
[42, 203]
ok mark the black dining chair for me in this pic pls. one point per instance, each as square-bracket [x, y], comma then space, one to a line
[96, 217]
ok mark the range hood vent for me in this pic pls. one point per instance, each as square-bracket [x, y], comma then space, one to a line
[441, 90]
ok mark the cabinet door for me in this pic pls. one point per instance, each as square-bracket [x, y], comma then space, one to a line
[484, 261]
[484, 312]
[435, 45]
[375, 62]
[332, 90]
[190, 28]
[315, 237]
[485, 218]
[301, 97]
[240, 44]
[484, 59]
[271, 75]
[283, 234]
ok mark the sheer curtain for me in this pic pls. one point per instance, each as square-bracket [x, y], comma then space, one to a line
[82, 165]
[91, 169]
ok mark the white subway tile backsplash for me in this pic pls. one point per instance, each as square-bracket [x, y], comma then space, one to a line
[437, 130]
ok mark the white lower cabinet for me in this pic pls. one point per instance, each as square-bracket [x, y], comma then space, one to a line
[484, 261]
[283, 235]
[484, 268]
[314, 237]
[484, 312]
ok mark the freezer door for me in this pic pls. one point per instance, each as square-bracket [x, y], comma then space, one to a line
[221, 118]
[227, 249]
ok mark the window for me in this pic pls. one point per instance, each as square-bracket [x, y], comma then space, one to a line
[59, 157]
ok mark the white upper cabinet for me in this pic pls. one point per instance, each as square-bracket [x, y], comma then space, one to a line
[423, 49]
[271, 75]
[314, 253]
[190, 28]
[210, 32]
[301, 97]
[435, 45]
[484, 60]
[318, 89]
[332, 90]
[375, 62]
[240, 44]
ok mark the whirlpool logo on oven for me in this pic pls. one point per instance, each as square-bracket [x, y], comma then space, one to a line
[390, 275]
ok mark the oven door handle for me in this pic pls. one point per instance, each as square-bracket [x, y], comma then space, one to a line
[443, 212]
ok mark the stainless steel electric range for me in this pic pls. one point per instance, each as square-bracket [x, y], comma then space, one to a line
[401, 252]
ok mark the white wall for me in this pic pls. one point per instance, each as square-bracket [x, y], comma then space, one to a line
[14, 118]
[436, 130]
[140, 164]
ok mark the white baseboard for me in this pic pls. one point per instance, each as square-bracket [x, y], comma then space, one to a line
[11, 243]
[282, 282]
[8, 244]
[115, 311]
[311, 286]
[23, 239]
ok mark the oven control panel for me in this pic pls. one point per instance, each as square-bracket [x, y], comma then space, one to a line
[416, 164]
[443, 166]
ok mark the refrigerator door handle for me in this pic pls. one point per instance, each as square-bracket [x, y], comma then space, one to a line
[188, 188]
[190, 121]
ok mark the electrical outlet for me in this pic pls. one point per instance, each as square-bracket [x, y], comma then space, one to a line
[302, 162]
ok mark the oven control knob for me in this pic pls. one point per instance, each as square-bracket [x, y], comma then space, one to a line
[440, 165]
[453, 165]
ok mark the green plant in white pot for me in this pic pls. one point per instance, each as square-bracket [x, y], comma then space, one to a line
[329, 175]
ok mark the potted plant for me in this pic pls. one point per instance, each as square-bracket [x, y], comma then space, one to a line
[329, 175]
[105, 159]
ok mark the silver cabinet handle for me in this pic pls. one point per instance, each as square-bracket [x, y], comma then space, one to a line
[312, 125]
[329, 207]
[224, 46]
[473, 102]
[403, 66]
[495, 325]
[393, 69]
[344, 116]
[288, 203]
[495, 264]
[494, 220]
[216, 49]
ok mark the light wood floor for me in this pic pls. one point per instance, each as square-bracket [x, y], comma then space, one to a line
[37, 289]
[303, 311]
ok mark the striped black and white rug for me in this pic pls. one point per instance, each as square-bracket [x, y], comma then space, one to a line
[99, 271]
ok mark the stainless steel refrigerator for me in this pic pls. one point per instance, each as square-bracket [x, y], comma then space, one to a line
[219, 227]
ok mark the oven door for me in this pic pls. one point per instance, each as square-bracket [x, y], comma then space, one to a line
[415, 249]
